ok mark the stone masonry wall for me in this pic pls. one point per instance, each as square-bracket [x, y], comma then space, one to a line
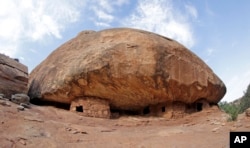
[168, 110]
[91, 107]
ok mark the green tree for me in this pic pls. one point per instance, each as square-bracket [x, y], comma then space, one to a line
[245, 100]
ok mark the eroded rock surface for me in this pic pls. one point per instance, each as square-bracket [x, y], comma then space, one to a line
[20, 98]
[247, 112]
[13, 76]
[130, 69]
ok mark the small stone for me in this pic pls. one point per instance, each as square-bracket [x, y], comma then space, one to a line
[21, 108]
[75, 132]
[22, 141]
[83, 132]
[24, 105]
[247, 126]
[232, 129]
[5, 103]
[20, 98]
[78, 140]
[215, 123]
[1, 96]
[30, 118]
[215, 129]
[68, 129]
[238, 125]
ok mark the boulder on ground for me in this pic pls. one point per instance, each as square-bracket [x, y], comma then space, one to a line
[20, 99]
[1, 96]
[247, 112]
[13, 76]
[131, 70]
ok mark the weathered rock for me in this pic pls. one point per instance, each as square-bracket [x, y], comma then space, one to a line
[247, 112]
[4, 103]
[25, 105]
[21, 108]
[1, 96]
[13, 76]
[20, 98]
[130, 69]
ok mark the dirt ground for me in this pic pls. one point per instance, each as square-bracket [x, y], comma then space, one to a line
[50, 127]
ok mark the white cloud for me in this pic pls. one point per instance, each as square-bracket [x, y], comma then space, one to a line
[121, 2]
[102, 24]
[33, 50]
[105, 11]
[106, 5]
[102, 15]
[9, 49]
[34, 20]
[208, 10]
[208, 54]
[162, 17]
[236, 85]
[192, 10]
[210, 51]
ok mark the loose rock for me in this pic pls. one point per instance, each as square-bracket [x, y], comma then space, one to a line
[20, 98]
[247, 112]
[5, 103]
[21, 108]
[25, 105]
[1, 96]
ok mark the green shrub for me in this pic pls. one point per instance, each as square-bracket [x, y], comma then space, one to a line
[231, 109]
[245, 100]
[237, 107]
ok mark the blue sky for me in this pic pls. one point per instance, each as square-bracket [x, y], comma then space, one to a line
[217, 31]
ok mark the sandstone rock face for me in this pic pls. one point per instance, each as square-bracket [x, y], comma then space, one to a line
[13, 76]
[128, 68]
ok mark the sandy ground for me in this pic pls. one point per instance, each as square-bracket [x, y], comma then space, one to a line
[46, 126]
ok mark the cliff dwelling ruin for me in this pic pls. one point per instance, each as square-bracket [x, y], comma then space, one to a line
[125, 71]
[95, 107]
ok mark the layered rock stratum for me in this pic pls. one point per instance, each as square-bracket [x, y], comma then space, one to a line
[13, 76]
[128, 68]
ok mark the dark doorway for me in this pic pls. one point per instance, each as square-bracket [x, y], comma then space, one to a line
[146, 110]
[79, 109]
[163, 109]
[199, 106]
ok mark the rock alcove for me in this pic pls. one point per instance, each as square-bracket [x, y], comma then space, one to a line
[125, 71]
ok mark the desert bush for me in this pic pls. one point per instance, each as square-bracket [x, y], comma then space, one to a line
[245, 100]
[238, 106]
[231, 109]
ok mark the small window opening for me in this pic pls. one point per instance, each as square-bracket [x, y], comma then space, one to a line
[163, 109]
[79, 109]
[146, 110]
[199, 106]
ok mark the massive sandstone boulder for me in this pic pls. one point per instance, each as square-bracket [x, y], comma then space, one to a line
[129, 69]
[13, 76]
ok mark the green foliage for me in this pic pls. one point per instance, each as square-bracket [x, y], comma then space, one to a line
[245, 100]
[235, 108]
[231, 109]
